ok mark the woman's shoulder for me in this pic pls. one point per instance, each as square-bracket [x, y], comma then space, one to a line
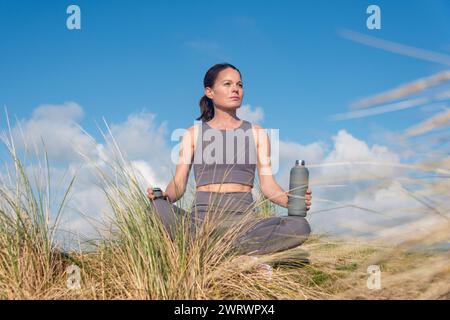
[195, 126]
[256, 126]
[193, 131]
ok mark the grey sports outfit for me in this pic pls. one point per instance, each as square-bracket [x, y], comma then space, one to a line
[234, 161]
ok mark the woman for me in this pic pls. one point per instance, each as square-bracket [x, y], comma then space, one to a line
[226, 185]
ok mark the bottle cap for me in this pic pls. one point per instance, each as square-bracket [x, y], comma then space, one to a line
[299, 162]
[157, 192]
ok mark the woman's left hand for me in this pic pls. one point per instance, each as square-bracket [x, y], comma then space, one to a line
[308, 198]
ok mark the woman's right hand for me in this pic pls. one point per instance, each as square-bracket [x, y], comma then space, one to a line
[151, 196]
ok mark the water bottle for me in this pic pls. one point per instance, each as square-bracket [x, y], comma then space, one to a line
[166, 211]
[298, 184]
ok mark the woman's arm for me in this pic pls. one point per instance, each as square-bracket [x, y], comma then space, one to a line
[272, 191]
[177, 186]
[269, 187]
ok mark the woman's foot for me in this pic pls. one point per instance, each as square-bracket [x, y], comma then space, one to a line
[265, 269]
[262, 268]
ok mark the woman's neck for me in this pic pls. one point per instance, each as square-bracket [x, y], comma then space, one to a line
[224, 118]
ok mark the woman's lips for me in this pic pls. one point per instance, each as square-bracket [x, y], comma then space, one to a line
[235, 98]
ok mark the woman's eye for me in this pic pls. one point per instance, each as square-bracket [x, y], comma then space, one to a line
[227, 84]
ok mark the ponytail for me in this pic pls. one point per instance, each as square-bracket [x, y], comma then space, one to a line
[206, 109]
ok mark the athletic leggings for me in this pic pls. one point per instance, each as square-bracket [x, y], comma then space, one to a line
[264, 236]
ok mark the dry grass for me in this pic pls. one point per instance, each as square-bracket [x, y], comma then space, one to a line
[136, 259]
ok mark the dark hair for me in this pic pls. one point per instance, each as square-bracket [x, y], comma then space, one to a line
[206, 104]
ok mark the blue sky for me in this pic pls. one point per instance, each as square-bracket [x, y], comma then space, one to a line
[140, 64]
[152, 55]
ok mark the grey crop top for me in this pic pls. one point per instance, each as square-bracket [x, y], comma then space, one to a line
[225, 156]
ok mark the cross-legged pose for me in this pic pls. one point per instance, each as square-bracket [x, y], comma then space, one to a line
[225, 152]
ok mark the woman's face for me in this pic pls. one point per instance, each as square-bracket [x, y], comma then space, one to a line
[227, 92]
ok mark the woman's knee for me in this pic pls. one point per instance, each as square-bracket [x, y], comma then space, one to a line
[299, 224]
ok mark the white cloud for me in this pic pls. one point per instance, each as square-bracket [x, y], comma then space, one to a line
[369, 209]
[349, 149]
[361, 178]
[140, 138]
[67, 112]
[139, 135]
[334, 177]
[55, 125]
[247, 113]
[328, 167]
[291, 151]
[147, 176]
[88, 210]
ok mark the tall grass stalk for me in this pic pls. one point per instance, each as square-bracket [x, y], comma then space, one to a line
[30, 262]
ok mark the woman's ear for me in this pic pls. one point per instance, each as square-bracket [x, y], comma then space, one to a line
[209, 92]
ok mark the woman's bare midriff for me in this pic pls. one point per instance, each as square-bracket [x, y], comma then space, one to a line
[225, 187]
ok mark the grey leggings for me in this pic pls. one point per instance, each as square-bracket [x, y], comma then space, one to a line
[269, 235]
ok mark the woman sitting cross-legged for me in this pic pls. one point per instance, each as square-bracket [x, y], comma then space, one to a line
[225, 152]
